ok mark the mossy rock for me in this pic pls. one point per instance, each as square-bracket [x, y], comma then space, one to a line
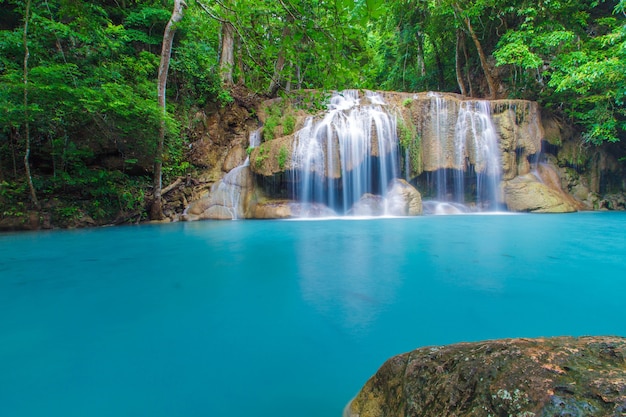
[561, 376]
[272, 157]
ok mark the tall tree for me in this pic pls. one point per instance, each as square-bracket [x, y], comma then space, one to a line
[280, 60]
[459, 70]
[156, 211]
[484, 64]
[29, 178]
[227, 52]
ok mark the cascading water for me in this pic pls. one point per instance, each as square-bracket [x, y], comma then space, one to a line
[227, 192]
[475, 128]
[466, 166]
[346, 160]
[351, 151]
[255, 140]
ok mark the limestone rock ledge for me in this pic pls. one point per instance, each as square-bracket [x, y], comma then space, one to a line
[560, 376]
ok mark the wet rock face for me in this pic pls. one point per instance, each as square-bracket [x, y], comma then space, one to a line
[228, 199]
[403, 199]
[285, 209]
[219, 139]
[561, 376]
[527, 194]
[453, 132]
[538, 193]
[368, 205]
[437, 120]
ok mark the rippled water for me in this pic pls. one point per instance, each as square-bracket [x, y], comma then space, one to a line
[281, 318]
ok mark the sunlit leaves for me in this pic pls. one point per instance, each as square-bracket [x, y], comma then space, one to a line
[518, 53]
[593, 76]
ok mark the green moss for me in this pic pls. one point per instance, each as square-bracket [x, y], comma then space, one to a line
[411, 141]
[282, 157]
[574, 154]
[278, 114]
[554, 140]
[289, 124]
[261, 156]
[269, 129]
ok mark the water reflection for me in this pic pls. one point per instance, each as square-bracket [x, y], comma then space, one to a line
[349, 270]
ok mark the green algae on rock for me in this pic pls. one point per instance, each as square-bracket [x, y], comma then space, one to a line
[560, 376]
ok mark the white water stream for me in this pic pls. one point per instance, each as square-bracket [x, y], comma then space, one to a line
[351, 151]
[468, 148]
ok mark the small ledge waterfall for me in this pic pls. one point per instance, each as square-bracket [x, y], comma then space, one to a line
[228, 196]
[229, 190]
[351, 151]
[465, 167]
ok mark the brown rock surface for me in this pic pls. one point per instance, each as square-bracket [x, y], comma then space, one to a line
[561, 376]
[403, 199]
[434, 116]
[527, 194]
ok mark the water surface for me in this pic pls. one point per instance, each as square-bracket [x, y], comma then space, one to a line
[280, 318]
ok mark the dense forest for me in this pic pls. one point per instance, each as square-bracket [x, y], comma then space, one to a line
[97, 97]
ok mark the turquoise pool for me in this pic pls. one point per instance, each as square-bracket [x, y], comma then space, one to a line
[281, 318]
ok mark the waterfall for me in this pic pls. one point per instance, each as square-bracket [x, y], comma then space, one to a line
[463, 166]
[352, 150]
[227, 193]
[440, 124]
[255, 140]
[475, 130]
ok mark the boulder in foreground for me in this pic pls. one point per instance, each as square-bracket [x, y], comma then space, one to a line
[561, 376]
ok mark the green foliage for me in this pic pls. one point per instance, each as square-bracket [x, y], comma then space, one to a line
[567, 54]
[323, 44]
[270, 126]
[11, 194]
[278, 115]
[310, 101]
[289, 124]
[67, 212]
[410, 143]
[146, 24]
[517, 52]
[283, 154]
[592, 80]
[92, 97]
[174, 163]
[261, 156]
[195, 62]
[93, 70]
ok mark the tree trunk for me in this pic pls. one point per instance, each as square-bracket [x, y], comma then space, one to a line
[156, 211]
[467, 67]
[421, 63]
[280, 61]
[13, 141]
[483, 60]
[288, 84]
[299, 77]
[241, 80]
[227, 57]
[278, 69]
[459, 71]
[29, 178]
[440, 68]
